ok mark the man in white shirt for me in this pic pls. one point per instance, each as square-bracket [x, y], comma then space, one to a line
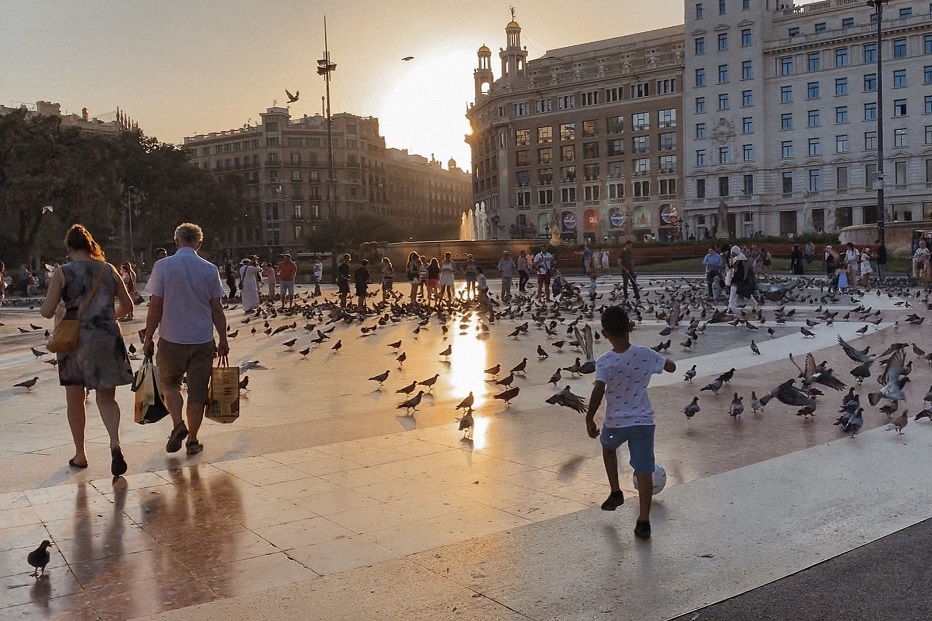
[185, 307]
[318, 275]
[543, 261]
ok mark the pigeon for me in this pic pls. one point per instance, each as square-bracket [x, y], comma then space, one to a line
[337, 346]
[755, 403]
[429, 382]
[715, 386]
[493, 371]
[690, 374]
[407, 390]
[39, 558]
[727, 375]
[892, 383]
[466, 423]
[574, 368]
[407, 58]
[292, 98]
[926, 413]
[692, 409]
[304, 352]
[400, 359]
[788, 394]
[411, 404]
[508, 395]
[380, 378]
[754, 348]
[507, 380]
[736, 409]
[520, 367]
[249, 364]
[290, 344]
[244, 382]
[446, 352]
[467, 402]
[556, 377]
[39, 353]
[541, 353]
[567, 399]
[395, 345]
[28, 384]
[807, 333]
[901, 421]
[851, 421]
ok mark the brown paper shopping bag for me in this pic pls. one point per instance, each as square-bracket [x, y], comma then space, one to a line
[223, 405]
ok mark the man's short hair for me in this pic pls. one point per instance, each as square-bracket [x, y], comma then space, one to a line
[189, 233]
[615, 320]
[287, 257]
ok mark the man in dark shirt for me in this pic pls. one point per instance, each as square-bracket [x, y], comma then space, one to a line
[881, 252]
[343, 274]
[626, 260]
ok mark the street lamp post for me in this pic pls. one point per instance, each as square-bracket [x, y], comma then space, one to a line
[325, 68]
[877, 5]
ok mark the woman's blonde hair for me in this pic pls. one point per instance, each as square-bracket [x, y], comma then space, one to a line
[79, 238]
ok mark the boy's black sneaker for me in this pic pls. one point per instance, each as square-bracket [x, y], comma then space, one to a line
[642, 530]
[614, 500]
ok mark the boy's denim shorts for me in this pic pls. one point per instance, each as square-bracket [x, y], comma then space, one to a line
[640, 439]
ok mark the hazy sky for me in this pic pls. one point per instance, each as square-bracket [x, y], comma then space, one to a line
[181, 67]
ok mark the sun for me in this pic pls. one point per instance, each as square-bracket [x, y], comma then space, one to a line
[424, 108]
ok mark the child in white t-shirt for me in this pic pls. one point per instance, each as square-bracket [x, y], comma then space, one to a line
[621, 376]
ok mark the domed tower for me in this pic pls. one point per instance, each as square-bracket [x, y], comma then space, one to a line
[514, 58]
[483, 74]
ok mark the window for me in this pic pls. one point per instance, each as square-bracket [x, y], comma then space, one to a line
[928, 134]
[591, 172]
[870, 141]
[589, 129]
[545, 197]
[847, 22]
[841, 114]
[721, 7]
[521, 109]
[640, 144]
[566, 102]
[723, 101]
[747, 153]
[615, 124]
[815, 179]
[899, 77]
[522, 137]
[841, 143]
[523, 179]
[899, 48]
[906, 12]
[786, 121]
[700, 131]
[786, 65]
[667, 163]
[700, 105]
[747, 125]
[544, 176]
[870, 175]
[786, 149]
[523, 198]
[928, 104]
[870, 53]
[591, 193]
[870, 82]
[543, 105]
[613, 94]
[841, 57]
[794, 31]
[699, 46]
[568, 153]
[590, 98]
[899, 107]
[666, 117]
[296, 175]
[642, 166]
[841, 178]
[544, 156]
[870, 111]
[812, 90]
[723, 155]
[700, 188]
[544, 135]
[639, 90]
[746, 37]
[700, 78]
[522, 158]
[748, 183]
[787, 184]
[786, 94]
[927, 74]
[841, 86]
[666, 86]
[700, 157]
[567, 131]
[820, 27]
[723, 189]
[746, 100]
[616, 170]
[815, 148]
[722, 42]
[640, 121]
[641, 189]
[698, 10]
[667, 187]
[616, 190]
[899, 137]
[813, 61]
[746, 73]
[722, 74]
[615, 147]
[568, 174]
[745, 5]
[927, 44]
[590, 150]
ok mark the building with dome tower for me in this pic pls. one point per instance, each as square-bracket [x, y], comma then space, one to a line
[581, 143]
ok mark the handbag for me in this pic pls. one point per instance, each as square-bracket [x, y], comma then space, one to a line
[68, 331]
[149, 407]
[223, 403]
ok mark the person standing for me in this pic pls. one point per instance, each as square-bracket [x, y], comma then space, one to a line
[853, 261]
[388, 278]
[432, 281]
[185, 307]
[543, 262]
[621, 376]
[343, 274]
[880, 252]
[269, 273]
[87, 286]
[231, 278]
[522, 271]
[318, 270]
[447, 277]
[586, 260]
[920, 259]
[248, 285]
[606, 265]
[506, 265]
[3, 284]
[413, 274]
[714, 266]
[796, 261]
[361, 280]
[866, 269]
[160, 253]
[469, 272]
[287, 270]
[626, 261]
[739, 270]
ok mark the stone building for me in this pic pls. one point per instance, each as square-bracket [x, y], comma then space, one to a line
[284, 165]
[108, 126]
[582, 144]
[781, 115]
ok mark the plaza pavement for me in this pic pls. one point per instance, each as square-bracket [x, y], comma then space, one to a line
[323, 501]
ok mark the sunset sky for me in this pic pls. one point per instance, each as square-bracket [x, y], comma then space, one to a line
[181, 67]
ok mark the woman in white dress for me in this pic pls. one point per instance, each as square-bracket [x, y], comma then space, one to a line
[447, 280]
[249, 286]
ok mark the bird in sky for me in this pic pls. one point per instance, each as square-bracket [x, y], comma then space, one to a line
[292, 98]
[407, 58]
[39, 558]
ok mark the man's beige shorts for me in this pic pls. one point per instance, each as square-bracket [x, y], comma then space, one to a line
[173, 360]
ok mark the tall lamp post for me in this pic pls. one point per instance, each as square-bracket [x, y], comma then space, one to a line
[877, 5]
[325, 68]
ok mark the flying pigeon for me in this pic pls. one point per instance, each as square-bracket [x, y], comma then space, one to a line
[292, 98]
[567, 399]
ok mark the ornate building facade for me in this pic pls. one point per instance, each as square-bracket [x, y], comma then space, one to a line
[284, 164]
[582, 144]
